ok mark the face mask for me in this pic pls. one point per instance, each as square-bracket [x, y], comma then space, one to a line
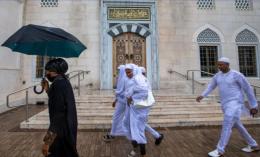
[50, 78]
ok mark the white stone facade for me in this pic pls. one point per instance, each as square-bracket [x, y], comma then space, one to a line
[10, 63]
[178, 49]
[174, 46]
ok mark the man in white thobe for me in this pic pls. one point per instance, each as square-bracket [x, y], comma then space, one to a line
[231, 85]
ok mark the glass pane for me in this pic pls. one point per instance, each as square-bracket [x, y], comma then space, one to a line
[247, 60]
[208, 60]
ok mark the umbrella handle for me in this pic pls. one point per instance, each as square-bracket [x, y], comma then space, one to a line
[35, 89]
[38, 92]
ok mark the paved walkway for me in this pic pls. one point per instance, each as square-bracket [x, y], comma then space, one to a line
[179, 142]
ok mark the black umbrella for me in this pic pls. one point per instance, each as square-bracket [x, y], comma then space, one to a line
[44, 41]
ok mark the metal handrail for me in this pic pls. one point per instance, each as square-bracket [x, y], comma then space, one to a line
[198, 71]
[173, 71]
[193, 80]
[79, 72]
[255, 87]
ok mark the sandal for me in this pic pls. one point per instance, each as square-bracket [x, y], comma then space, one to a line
[132, 154]
[108, 138]
[159, 140]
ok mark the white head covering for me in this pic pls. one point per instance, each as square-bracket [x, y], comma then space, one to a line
[132, 67]
[121, 79]
[120, 66]
[143, 69]
[129, 66]
[224, 59]
[140, 79]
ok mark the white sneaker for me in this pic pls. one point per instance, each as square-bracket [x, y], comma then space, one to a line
[250, 149]
[131, 154]
[215, 153]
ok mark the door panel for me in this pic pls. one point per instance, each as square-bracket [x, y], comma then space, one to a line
[128, 48]
[137, 50]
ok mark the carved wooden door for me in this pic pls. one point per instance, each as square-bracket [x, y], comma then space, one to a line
[128, 48]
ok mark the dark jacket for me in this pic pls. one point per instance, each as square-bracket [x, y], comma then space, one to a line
[63, 118]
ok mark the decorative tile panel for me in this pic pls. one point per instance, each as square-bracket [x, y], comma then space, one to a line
[243, 4]
[206, 4]
[246, 36]
[49, 3]
[208, 36]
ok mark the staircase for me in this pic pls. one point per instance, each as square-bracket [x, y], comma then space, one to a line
[95, 111]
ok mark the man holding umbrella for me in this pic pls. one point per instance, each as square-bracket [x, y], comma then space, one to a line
[60, 139]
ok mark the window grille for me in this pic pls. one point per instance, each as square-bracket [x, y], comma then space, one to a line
[49, 3]
[208, 60]
[206, 4]
[244, 4]
[247, 60]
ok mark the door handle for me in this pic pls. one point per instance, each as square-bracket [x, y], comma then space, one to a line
[126, 56]
[131, 56]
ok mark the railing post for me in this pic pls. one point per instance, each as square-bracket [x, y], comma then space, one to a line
[255, 91]
[78, 83]
[192, 82]
[7, 101]
[27, 106]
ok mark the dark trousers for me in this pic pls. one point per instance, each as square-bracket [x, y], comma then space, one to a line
[62, 148]
[142, 147]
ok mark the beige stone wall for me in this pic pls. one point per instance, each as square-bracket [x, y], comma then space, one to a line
[178, 21]
[80, 18]
[11, 20]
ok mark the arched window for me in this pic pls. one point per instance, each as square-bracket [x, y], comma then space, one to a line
[247, 41]
[208, 41]
[40, 65]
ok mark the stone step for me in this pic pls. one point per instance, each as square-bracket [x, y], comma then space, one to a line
[157, 103]
[171, 109]
[152, 114]
[156, 99]
[155, 108]
[155, 96]
[166, 94]
[106, 124]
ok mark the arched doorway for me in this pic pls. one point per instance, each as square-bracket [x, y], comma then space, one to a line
[128, 48]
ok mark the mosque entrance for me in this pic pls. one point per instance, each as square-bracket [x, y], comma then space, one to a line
[128, 48]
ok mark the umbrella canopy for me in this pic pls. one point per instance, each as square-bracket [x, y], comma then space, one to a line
[44, 41]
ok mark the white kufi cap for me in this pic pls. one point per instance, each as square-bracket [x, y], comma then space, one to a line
[224, 59]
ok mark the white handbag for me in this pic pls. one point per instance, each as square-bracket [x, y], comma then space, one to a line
[147, 102]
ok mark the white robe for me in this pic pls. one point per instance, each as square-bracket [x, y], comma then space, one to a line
[136, 118]
[118, 116]
[231, 86]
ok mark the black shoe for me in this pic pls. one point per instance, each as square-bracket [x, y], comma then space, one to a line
[108, 138]
[159, 140]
